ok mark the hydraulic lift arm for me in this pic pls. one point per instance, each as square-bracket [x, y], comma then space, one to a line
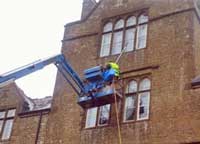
[59, 60]
[91, 93]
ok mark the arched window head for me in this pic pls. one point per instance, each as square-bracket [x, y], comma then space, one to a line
[131, 21]
[143, 18]
[119, 24]
[108, 27]
[132, 87]
[145, 84]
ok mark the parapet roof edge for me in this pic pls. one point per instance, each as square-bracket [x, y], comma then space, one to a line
[34, 113]
[83, 20]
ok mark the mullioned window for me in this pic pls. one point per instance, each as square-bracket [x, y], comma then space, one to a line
[6, 123]
[128, 33]
[137, 100]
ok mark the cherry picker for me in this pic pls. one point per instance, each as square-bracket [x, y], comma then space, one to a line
[92, 91]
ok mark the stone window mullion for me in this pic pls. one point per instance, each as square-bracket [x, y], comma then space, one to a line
[7, 124]
[98, 116]
[137, 97]
[131, 31]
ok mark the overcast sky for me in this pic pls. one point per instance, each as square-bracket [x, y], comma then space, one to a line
[31, 30]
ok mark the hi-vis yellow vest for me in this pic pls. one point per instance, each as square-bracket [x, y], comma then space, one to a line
[115, 67]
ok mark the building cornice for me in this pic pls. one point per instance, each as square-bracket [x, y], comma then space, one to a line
[85, 18]
[34, 113]
[150, 20]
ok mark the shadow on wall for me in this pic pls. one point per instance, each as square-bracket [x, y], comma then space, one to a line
[198, 4]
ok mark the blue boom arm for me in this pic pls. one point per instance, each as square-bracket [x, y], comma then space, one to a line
[59, 60]
[93, 92]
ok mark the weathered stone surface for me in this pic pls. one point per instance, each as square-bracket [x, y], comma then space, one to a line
[173, 47]
[25, 128]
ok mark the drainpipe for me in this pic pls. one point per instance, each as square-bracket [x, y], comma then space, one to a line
[38, 129]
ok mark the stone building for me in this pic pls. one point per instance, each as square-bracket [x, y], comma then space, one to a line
[22, 120]
[160, 75]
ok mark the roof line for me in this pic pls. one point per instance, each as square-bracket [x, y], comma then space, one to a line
[84, 19]
[34, 113]
[172, 13]
[151, 20]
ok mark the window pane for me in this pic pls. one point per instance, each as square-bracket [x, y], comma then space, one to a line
[119, 24]
[132, 87]
[129, 111]
[131, 21]
[2, 114]
[1, 125]
[11, 113]
[91, 117]
[105, 45]
[104, 113]
[117, 43]
[129, 39]
[141, 36]
[108, 27]
[145, 84]
[143, 106]
[7, 129]
[142, 19]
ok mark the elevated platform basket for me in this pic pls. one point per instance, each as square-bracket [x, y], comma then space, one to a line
[104, 96]
[98, 92]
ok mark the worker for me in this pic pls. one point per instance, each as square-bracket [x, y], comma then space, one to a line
[114, 66]
[111, 71]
